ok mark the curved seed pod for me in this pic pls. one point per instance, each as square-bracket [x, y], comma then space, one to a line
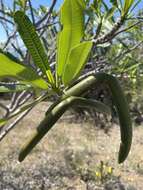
[45, 125]
[123, 113]
[120, 103]
[56, 111]
[53, 115]
[88, 103]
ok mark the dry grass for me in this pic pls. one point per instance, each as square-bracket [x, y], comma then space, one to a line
[68, 157]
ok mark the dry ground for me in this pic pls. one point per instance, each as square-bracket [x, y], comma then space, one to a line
[68, 158]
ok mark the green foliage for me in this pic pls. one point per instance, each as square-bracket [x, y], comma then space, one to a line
[76, 61]
[127, 6]
[124, 55]
[14, 87]
[114, 2]
[72, 20]
[33, 43]
[9, 68]
[104, 172]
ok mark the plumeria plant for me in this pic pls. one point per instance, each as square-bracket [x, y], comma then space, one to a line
[73, 49]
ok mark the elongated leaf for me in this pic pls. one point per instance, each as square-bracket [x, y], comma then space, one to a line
[10, 56]
[76, 61]
[33, 43]
[14, 87]
[9, 68]
[2, 122]
[127, 5]
[72, 20]
[110, 13]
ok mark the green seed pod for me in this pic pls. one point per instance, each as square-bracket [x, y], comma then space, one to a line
[119, 101]
[68, 99]
[53, 115]
[45, 125]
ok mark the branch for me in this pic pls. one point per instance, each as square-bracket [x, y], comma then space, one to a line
[128, 28]
[107, 37]
[6, 20]
[127, 51]
[47, 25]
[47, 14]
[12, 125]
[12, 36]
[18, 51]
[18, 101]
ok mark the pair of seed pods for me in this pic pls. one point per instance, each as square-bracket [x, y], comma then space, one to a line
[73, 97]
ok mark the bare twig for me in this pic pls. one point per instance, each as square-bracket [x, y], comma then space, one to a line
[3, 12]
[46, 16]
[11, 37]
[25, 99]
[107, 37]
[6, 130]
[5, 108]
[128, 28]
[31, 10]
[126, 52]
[46, 26]
[18, 51]
[18, 100]
[6, 20]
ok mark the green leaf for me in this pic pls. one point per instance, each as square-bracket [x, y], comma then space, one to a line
[9, 68]
[76, 61]
[72, 20]
[33, 43]
[10, 56]
[7, 87]
[114, 3]
[110, 13]
[2, 122]
[127, 5]
[20, 3]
